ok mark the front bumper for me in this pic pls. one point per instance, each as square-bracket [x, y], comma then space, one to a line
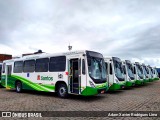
[151, 80]
[117, 86]
[139, 82]
[130, 83]
[90, 91]
[146, 80]
[155, 79]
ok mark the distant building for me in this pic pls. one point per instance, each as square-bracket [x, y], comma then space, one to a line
[5, 57]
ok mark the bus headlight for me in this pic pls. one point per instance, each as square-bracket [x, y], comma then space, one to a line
[92, 85]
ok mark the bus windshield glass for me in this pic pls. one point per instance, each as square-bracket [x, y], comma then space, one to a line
[146, 69]
[118, 69]
[145, 72]
[140, 71]
[130, 71]
[151, 72]
[156, 72]
[96, 67]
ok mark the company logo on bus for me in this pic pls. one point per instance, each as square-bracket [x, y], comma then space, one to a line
[38, 77]
[47, 78]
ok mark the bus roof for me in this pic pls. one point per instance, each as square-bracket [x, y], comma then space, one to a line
[111, 58]
[43, 55]
[128, 61]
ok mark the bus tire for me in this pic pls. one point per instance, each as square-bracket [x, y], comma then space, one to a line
[18, 87]
[62, 91]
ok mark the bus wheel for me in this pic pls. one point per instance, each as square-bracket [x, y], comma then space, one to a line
[18, 87]
[62, 91]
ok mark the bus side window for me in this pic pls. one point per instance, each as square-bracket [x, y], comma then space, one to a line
[18, 67]
[83, 67]
[110, 66]
[42, 65]
[29, 66]
[0, 67]
[0, 70]
[147, 71]
[106, 64]
[57, 64]
[124, 69]
[3, 67]
[134, 70]
[9, 69]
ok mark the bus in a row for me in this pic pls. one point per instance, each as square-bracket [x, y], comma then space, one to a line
[83, 72]
[79, 72]
[123, 73]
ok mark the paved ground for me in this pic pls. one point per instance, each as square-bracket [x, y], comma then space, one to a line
[141, 98]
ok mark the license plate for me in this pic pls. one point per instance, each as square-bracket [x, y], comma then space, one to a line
[102, 91]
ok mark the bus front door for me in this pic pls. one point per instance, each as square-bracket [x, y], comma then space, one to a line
[7, 75]
[75, 76]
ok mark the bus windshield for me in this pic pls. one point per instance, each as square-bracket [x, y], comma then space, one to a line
[146, 69]
[130, 71]
[140, 71]
[156, 72]
[151, 72]
[145, 72]
[118, 69]
[96, 67]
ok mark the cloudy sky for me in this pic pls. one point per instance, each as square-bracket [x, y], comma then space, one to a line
[129, 29]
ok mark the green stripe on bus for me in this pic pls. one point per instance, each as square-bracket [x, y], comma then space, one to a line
[35, 86]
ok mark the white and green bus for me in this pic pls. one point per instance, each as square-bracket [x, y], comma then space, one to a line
[155, 74]
[129, 73]
[77, 72]
[138, 72]
[145, 73]
[115, 73]
[151, 78]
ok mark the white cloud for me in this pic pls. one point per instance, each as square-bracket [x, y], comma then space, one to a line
[123, 28]
[154, 62]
